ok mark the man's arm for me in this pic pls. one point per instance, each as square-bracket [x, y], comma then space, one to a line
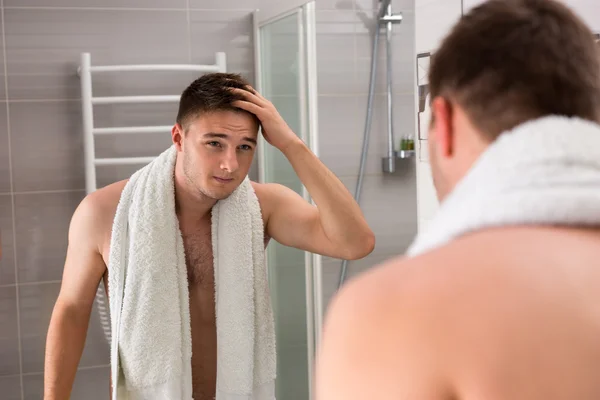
[336, 227]
[83, 272]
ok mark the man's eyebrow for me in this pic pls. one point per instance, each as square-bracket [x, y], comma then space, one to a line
[216, 135]
[225, 136]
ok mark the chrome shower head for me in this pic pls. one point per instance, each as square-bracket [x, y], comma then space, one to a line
[384, 7]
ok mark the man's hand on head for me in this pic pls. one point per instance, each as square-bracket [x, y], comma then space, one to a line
[274, 128]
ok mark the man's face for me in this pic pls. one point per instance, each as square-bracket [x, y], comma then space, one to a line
[218, 149]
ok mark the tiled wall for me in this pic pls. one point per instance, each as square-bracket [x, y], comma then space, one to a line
[41, 159]
[344, 44]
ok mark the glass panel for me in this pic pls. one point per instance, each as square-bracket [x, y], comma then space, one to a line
[280, 63]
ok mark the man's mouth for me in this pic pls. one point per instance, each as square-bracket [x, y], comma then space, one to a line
[223, 180]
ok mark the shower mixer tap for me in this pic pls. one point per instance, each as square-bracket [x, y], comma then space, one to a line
[423, 93]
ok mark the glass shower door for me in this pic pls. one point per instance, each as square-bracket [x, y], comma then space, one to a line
[285, 75]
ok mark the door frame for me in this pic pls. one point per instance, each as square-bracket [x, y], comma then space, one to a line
[306, 18]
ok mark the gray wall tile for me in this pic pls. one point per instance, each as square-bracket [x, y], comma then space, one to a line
[7, 262]
[90, 384]
[36, 303]
[335, 52]
[9, 338]
[229, 31]
[341, 125]
[4, 151]
[229, 5]
[47, 144]
[44, 45]
[10, 387]
[33, 386]
[42, 233]
[335, 4]
[97, 3]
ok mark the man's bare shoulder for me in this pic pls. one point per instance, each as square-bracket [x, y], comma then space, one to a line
[267, 196]
[104, 201]
[96, 212]
[373, 343]
[264, 191]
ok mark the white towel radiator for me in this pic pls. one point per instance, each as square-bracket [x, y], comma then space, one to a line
[85, 72]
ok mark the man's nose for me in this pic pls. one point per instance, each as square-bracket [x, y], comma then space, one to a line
[229, 162]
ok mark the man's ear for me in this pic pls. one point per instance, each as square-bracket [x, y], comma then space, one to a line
[177, 136]
[442, 128]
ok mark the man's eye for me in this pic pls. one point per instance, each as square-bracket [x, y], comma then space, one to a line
[214, 144]
[245, 147]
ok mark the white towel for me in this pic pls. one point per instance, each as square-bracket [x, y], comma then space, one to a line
[149, 304]
[543, 172]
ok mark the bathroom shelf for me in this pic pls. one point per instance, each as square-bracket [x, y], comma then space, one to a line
[389, 164]
[404, 154]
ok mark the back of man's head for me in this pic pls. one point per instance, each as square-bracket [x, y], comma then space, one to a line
[510, 61]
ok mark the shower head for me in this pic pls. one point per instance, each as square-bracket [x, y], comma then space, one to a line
[384, 7]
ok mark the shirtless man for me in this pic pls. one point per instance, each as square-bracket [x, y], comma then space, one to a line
[511, 312]
[216, 136]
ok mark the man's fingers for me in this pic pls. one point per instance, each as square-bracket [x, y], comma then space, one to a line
[255, 92]
[253, 97]
[249, 106]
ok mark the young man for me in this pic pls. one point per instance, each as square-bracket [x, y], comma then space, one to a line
[500, 297]
[215, 136]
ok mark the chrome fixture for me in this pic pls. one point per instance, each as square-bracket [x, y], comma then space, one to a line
[386, 17]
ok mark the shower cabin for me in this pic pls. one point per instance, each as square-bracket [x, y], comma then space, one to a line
[285, 56]
[286, 73]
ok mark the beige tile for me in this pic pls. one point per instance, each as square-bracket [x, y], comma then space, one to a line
[228, 5]
[10, 387]
[9, 339]
[98, 3]
[36, 303]
[44, 45]
[341, 125]
[4, 150]
[223, 31]
[434, 19]
[7, 262]
[90, 384]
[336, 53]
[47, 149]
[336, 4]
[42, 232]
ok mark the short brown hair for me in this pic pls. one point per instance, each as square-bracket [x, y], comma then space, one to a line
[510, 61]
[209, 93]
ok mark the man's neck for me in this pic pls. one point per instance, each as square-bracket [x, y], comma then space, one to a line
[189, 202]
